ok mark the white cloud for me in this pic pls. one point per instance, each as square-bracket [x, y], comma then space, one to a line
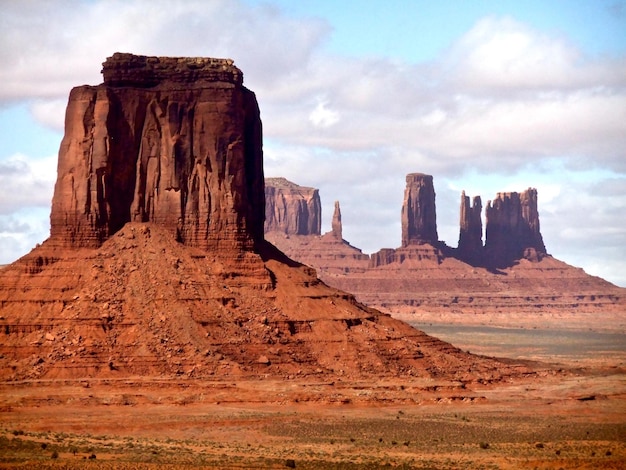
[322, 116]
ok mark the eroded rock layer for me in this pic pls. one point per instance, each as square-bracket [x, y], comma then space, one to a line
[173, 141]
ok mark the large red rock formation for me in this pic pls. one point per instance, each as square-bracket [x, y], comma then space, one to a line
[292, 209]
[173, 141]
[419, 216]
[512, 230]
[157, 267]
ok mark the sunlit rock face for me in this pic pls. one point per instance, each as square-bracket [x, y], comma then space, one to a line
[173, 141]
[292, 209]
[419, 217]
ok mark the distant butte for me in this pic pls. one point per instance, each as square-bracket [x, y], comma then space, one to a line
[510, 280]
[157, 267]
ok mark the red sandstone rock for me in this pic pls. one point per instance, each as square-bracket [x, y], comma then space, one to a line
[291, 209]
[156, 266]
[470, 247]
[419, 217]
[432, 282]
[174, 141]
[512, 231]
[336, 226]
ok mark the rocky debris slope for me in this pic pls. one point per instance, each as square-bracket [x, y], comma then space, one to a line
[508, 279]
[144, 304]
[156, 265]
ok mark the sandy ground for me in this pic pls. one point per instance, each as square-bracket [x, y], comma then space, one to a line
[562, 417]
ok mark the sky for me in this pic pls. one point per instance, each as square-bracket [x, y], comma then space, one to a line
[486, 96]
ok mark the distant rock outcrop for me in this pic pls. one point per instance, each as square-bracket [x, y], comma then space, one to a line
[419, 215]
[173, 141]
[292, 209]
[512, 229]
[470, 247]
[509, 280]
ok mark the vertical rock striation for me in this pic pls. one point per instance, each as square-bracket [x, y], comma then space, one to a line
[292, 209]
[512, 230]
[470, 248]
[173, 141]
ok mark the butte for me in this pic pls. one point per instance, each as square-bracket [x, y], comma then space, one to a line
[157, 265]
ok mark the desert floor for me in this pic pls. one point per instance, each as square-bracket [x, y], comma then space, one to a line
[571, 414]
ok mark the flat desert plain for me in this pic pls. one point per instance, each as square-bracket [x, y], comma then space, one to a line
[570, 414]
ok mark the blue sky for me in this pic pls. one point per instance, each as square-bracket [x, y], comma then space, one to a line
[486, 96]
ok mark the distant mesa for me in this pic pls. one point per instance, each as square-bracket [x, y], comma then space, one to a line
[512, 228]
[292, 209]
[510, 273]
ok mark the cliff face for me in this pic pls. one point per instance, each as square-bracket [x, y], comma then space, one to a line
[419, 218]
[512, 230]
[174, 141]
[292, 209]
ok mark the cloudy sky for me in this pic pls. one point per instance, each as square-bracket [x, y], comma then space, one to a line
[486, 96]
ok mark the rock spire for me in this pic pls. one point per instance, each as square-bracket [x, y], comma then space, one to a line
[470, 246]
[336, 223]
[419, 219]
[173, 141]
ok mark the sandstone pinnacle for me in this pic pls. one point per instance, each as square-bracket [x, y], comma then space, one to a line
[470, 246]
[336, 222]
[419, 219]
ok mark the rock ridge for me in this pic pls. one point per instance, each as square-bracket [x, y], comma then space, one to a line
[124, 69]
